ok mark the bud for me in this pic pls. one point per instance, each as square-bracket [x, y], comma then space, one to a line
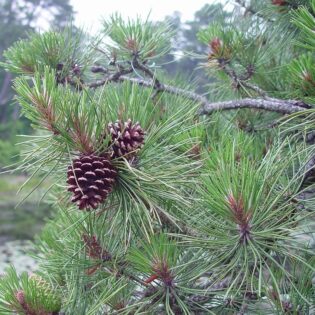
[279, 2]
[94, 248]
[132, 44]
[162, 272]
[195, 152]
[240, 216]
[216, 45]
[20, 296]
[307, 76]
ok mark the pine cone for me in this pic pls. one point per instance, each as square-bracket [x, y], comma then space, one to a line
[127, 138]
[90, 179]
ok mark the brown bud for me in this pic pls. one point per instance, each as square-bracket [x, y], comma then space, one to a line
[94, 249]
[162, 271]
[195, 152]
[216, 45]
[279, 2]
[307, 76]
[132, 44]
[20, 296]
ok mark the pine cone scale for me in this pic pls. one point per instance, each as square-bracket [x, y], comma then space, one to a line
[90, 174]
[86, 166]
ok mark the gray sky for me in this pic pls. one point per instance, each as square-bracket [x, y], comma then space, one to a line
[90, 12]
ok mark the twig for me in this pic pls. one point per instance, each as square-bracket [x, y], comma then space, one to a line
[264, 102]
[256, 89]
[149, 83]
[276, 105]
[270, 104]
[115, 77]
[167, 221]
[99, 69]
[241, 80]
[147, 71]
[167, 88]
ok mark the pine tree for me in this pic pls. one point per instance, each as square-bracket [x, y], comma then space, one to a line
[167, 201]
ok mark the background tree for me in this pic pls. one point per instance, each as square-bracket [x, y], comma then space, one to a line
[169, 202]
[17, 19]
[185, 44]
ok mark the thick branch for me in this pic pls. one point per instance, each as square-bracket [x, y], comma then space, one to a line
[99, 69]
[269, 104]
[275, 105]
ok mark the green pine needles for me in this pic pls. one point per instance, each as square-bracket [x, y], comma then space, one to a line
[168, 201]
[28, 294]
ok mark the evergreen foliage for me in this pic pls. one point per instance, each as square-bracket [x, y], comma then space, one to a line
[177, 207]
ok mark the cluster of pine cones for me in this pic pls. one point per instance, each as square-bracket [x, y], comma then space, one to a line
[91, 176]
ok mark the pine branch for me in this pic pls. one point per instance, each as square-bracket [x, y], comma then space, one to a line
[265, 103]
[239, 227]
[147, 71]
[167, 88]
[274, 105]
[99, 69]
[242, 79]
[270, 104]
[255, 88]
